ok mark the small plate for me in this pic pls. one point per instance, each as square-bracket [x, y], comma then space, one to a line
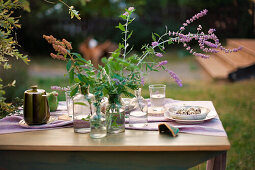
[207, 114]
[202, 115]
[51, 120]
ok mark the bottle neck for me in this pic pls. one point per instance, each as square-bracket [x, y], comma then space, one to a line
[138, 93]
[84, 90]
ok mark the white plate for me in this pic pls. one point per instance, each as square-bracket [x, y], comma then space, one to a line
[174, 109]
[210, 115]
[51, 120]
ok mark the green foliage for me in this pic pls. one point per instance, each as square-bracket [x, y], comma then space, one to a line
[8, 45]
[74, 13]
[10, 108]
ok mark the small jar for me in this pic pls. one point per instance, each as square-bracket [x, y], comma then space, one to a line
[98, 124]
[115, 115]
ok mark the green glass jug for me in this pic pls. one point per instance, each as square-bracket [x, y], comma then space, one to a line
[36, 107]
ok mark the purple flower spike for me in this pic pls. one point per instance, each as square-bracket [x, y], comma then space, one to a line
[117, 81]
[209, 44]
[126, 14]
[142, 81]
[154, 43]
[161, 63]
[159, 55]
[182, 28]
[175, 77]
[131, 8]
[195, 17]
[211, 31]
[201, 55]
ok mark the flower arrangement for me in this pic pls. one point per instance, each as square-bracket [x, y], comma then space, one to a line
[124, 70]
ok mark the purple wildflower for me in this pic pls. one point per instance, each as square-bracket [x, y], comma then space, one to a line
[185, 24]
[201, 55]
[154, 43]
[208, 43]
[161, 63]
[125, 14]
[211, 31]
[175, 77]
[117, 81]
[159, 54]
[131, 8]
[195, 17]
[182, 28]
[142, 80]
[58, 88]
[199, 28]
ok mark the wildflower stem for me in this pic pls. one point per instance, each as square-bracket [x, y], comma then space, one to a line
[145, 54]
[64, 3]
[126, 31]
[73, 60]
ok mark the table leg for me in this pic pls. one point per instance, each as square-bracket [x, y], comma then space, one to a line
[217, 163]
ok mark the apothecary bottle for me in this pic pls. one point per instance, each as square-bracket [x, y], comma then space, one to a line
[82, 110]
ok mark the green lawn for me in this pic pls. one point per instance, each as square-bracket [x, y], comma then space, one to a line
[234, 102]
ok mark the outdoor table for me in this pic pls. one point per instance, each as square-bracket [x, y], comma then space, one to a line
[134, 149]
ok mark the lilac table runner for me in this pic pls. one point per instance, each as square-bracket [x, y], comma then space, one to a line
[213, 127]
[10, 124]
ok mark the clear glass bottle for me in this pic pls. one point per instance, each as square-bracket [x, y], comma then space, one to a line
[82, 110]
[139, 115]
[98, 124]
[115, 115]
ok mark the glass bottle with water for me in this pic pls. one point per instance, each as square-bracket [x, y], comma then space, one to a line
[139, 115]
[82, 110]
[98, 123]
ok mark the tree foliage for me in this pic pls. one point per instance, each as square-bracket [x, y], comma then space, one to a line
[9, 44]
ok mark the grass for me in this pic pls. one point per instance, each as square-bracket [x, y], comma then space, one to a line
[234, 102]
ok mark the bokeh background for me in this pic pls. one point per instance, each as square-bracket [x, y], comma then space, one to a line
[234, 101]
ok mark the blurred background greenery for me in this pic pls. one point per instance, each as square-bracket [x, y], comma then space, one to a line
[231, 18]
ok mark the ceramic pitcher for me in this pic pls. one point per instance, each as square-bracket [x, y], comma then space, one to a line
[36, 108]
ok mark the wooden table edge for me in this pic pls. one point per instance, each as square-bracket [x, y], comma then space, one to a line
[116, 148]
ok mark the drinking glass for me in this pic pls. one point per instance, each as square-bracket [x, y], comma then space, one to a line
[69, 103]
[157, 97]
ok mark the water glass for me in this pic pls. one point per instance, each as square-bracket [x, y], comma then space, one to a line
[69, 103]
[157, 97]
